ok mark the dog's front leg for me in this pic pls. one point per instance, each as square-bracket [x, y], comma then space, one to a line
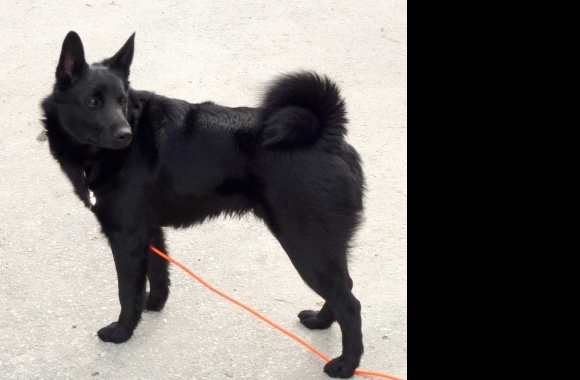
[130, 254]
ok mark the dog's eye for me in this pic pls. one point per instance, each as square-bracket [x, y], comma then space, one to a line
[123, 102]
[93, 102]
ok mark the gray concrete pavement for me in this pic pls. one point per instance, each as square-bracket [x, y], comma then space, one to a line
[57, 280]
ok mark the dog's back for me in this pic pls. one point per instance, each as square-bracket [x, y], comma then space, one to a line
[236, 160]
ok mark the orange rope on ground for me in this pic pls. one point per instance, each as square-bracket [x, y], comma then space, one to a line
[260, 316]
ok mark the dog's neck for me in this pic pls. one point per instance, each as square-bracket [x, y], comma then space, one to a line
[89, 193]
[87, 167]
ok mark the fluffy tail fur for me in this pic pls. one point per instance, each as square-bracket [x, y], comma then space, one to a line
[301, 110]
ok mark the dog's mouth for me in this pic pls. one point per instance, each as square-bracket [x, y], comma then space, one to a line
[118, 145]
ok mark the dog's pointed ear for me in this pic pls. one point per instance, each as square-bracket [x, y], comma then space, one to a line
[71, 64]
[124, 57]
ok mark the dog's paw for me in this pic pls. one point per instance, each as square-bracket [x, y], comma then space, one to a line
[155, 302]
[337, 368]
[115, 333]
[311, 319]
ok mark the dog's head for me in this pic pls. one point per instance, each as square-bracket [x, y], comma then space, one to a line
[93, 99]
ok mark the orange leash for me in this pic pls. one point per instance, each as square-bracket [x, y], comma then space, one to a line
[260, 316]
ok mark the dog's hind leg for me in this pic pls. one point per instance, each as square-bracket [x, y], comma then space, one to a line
[317, 320]
[157, 273]
[327, 274]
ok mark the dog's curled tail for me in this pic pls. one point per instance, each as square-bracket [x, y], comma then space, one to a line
[301, 110]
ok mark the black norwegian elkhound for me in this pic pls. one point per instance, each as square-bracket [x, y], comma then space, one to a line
[141, 162]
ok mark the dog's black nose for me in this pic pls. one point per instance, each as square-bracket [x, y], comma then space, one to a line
[124, 135]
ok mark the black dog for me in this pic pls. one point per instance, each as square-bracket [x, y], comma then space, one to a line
[141, 161]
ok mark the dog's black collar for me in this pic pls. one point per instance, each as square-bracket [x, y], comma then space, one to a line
[90, 195]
